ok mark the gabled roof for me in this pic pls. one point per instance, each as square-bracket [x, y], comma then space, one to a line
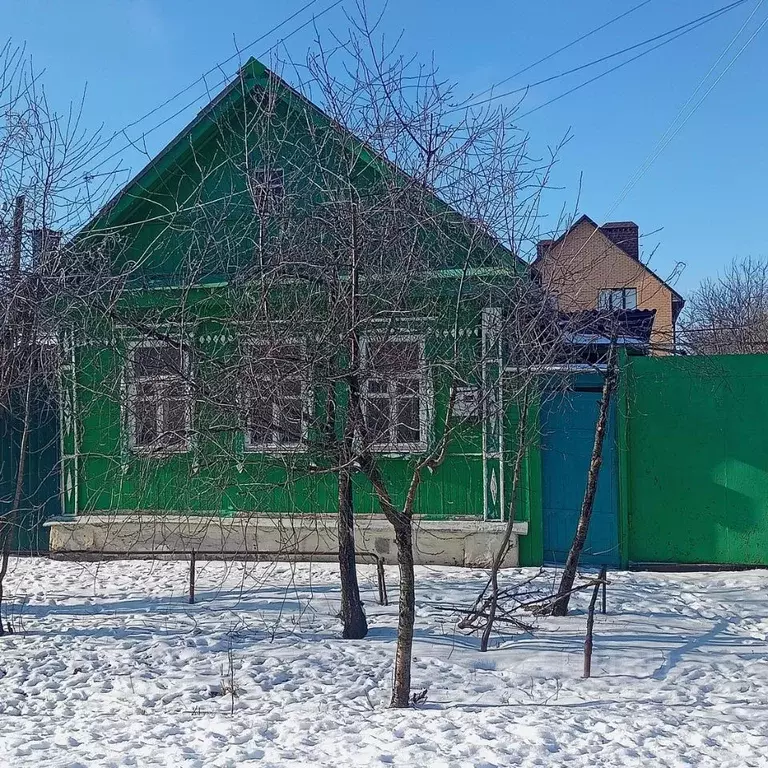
[550, 244]
[251, 74]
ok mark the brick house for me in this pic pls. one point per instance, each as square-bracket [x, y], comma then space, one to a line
[598, 267]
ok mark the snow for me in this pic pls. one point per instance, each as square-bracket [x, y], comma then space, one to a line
[110, 666]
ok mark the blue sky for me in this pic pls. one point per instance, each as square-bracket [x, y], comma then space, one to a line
[701, 202]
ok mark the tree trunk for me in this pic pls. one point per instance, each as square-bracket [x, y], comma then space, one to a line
[560, 607]
[352, 613]
[406, 616]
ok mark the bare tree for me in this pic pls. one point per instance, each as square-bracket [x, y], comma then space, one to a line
[370, 255]
[560, 605]
[45, 157]
[729, 314]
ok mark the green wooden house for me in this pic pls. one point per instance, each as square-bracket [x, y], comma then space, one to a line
[204, 389]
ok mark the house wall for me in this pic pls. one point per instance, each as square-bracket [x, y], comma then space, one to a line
[217, 477]
[585, 262]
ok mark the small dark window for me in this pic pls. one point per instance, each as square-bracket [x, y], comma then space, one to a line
[267, 187]
[395, 394]
[159, 402]
[275, 394]
[617, 298]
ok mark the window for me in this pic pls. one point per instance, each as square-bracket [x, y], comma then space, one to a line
[267, 189]
[395, 393]
[618, 298]
[275, 394]
[159, 405]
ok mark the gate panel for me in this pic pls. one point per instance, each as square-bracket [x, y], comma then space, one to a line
[568, 431]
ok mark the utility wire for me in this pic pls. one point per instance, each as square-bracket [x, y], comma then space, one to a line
[563, 48]
[675, 33]
[672, 131]
[215, 85]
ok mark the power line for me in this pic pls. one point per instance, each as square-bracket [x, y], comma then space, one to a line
[564, 47]
[215, 85]
[667, 137]
[676, 32]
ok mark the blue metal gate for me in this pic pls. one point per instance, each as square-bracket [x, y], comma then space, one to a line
[568, 430]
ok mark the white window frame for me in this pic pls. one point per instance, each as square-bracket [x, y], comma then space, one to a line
[606, 298]
[392, 446]
[307, 398]
[159, 448]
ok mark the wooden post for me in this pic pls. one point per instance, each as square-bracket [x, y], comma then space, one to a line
[192, 577]
[603, 576]
[383, 599]
[590, 626]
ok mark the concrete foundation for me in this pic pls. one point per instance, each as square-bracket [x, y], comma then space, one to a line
[305, 537]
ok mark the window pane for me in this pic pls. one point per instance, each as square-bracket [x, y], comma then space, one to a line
[378, 419]
[146, 389]
[394, 356]
[145, 416]
[260, 420]
[279, 363]
[378, 387]
[289, 428]
[408, 420]
[267, 187]
[175, 389]
[408, 387]
[630, 298]
[174, 420]
[290, 388]
[161, 360]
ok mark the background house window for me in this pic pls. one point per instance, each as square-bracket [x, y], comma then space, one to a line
[267, 187]
[618, 298]
[395, 393]
[275, 394]
[159, 406]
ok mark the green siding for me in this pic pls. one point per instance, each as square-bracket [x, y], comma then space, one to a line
[698, 459]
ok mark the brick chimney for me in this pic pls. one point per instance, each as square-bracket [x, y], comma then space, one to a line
[542, 247]
[625, 235]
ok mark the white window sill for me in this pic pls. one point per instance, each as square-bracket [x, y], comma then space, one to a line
[159, 452]
[274, 449]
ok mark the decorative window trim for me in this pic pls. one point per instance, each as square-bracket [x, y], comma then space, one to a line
[307, 400]
[425, 395]
[130, 382]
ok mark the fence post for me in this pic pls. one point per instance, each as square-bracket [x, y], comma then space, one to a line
[604, 577]
[192, 577]
[383, 599]
[591, 624]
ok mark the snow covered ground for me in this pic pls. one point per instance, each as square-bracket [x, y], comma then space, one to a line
[114, 668]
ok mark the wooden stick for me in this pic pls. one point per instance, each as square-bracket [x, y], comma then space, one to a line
[192, 577]
[383, 599]
[590, 626]
[604, 577]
